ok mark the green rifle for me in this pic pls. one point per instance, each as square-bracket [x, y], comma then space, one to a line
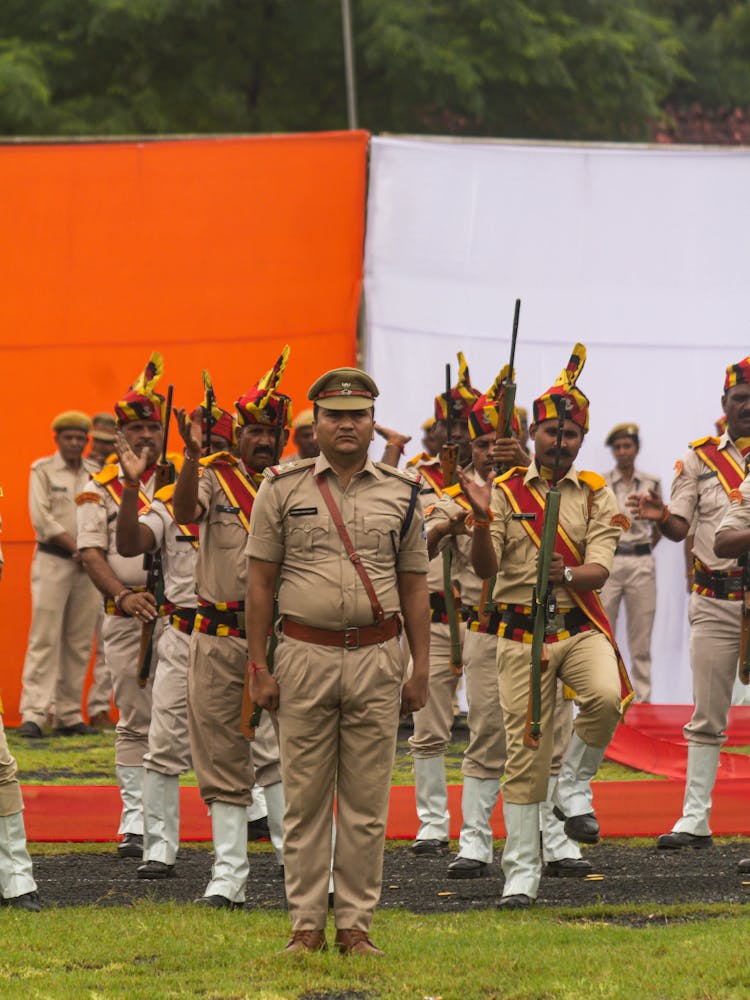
[544, 601]
[448, 467]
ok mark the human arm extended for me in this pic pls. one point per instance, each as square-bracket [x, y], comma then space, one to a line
[415, 606]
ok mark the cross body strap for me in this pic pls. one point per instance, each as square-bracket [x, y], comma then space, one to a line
[354, 556]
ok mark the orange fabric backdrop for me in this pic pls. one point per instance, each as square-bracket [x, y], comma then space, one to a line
[214, 251]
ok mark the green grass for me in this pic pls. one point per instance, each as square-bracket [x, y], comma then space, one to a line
[166, 950]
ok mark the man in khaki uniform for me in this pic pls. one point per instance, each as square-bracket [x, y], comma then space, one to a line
[303, 437]
[64, 601]
[432, 725]
[220, 500]
[706, 479]
[122, 581]
[633, 575]
[507, 520]
[17, 885]
[344, 536]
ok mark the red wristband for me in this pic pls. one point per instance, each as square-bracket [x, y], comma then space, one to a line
[255, 669]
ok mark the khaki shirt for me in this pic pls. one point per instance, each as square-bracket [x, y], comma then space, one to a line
[221, 568]
[319, 584]
[178, 558]
[640, 531]
[462, 572]
[97, 526]
[699, 498]
[53, 488]
[595, 537]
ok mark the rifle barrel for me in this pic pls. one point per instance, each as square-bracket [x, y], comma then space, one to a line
[167, 418]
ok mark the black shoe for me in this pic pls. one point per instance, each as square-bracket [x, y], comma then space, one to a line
[674, 841]
[467, 868]
[569, 868]
[155, 869]
[584, 829]
[430, 848]
[77, 729]
[30, 731]
[218, 903]
[517, 902]
[27, 901]
[257, 829]
[131, 846]
[743, 867]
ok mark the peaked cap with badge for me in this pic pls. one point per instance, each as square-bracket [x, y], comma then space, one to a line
[462, 398]
[577, 405]
[344, 389]
[262, 404]
[622, 430]
[141, 401]
[483, 418]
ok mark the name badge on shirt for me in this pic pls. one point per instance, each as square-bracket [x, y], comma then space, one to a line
[225, 508]
[523, 517]
[302, 511]
[59, 489]
[186, 538]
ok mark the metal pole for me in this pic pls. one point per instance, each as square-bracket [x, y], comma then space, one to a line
[351, 88]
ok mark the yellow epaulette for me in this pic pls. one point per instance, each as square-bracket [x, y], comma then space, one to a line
[176, 458]
[452, 491]
[592, 479]
[421, 457]
[165, 493]
[274, 472]
[704, 440]
[411, 476]
[515, 471]
[107, 474]
[219, 456]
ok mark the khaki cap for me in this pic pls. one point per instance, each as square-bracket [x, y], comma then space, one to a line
[622, 430]
[344, 389]
[72, 420]
[104, 421]
[303, 419]
[103, 436]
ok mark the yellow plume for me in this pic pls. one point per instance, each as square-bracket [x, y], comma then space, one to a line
[271, 379]
[150, 375]
[569, 375]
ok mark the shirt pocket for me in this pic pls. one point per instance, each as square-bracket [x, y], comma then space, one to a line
[226, 530]
[379, 536]
[307, 535]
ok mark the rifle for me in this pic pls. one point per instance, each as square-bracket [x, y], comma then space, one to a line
[544, 601]
[250, 713]
[448, 465]
[164, 474]
[208, 416]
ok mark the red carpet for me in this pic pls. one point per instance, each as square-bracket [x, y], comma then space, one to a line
[651, 741]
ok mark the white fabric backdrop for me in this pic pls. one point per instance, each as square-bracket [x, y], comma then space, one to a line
[642, 254]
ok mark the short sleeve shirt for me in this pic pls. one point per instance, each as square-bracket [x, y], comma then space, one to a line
[640, 532]
[179, 555]
[53, 488]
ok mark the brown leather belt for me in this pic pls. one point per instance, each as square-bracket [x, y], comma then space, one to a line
[349, 638]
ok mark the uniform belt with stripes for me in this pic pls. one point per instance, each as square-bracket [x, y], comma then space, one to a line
[438, 613]
[222, 619]
[723, 585]
[183, 619]
[474, 621]
[517, 624]
[109, 606]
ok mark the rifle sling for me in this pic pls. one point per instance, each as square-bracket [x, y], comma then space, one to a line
[354, 556]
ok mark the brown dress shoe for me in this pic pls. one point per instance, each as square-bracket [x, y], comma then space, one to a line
[354, 942]
[306, 941]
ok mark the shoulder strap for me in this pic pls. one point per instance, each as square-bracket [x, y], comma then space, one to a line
[354, 557]
[415, 490]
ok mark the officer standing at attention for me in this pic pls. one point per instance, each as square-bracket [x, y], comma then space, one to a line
[64, 600]
[345, 536]
[633, 575]
[580, 646]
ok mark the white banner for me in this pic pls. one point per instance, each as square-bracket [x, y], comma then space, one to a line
[640, 253]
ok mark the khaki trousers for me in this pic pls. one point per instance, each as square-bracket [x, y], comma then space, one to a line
[122, 641]
[714, 656]
[168, 741]
[64, 608]
[633, 579]
[100, 692]
[10, 790]
[586, 662]
[434, 722]
[484, 757]
[338, 721]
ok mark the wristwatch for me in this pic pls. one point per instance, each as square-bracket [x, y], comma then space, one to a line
[568, 574]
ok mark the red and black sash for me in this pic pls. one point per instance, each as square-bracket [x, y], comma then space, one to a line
[526, 499]
[718, 460]
[115, 488]
[433, 476]
[239, 490]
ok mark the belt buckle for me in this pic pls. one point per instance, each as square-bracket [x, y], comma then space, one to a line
[351, 638]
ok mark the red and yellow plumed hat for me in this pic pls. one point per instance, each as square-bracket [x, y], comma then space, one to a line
[140, 402]
[223, 421]
[483, 418]
[261, 404]
[738, 374]
[565, 386]
[463, 395]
